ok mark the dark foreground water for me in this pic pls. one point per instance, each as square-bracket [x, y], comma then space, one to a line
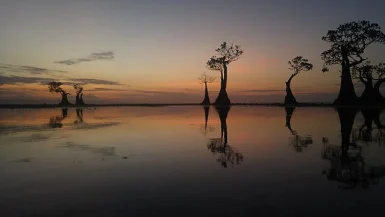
[191, 161]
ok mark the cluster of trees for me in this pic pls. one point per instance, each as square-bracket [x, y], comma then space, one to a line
[348, 45]
[56, 87]
[227, 53]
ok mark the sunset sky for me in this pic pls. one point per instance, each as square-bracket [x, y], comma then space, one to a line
[146, 51]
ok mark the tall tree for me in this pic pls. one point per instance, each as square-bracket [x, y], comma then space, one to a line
[227, 53]
[348, 44]
[55, 87]
[297, 65]
[368, 74]
[206, 79]
[79, 94]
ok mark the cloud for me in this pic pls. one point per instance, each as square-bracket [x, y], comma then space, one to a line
[151, 92]
[12, 79]
[263, 90]
[92, 57]
[105, 89]
[23, 80]
[85, 81]
[27, 69]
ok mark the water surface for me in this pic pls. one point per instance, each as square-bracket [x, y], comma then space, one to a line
[191, 161]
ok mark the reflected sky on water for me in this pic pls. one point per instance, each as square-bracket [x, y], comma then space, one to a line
[189, 161]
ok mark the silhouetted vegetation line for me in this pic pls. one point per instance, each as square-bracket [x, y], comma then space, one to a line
[227, 53]
[21, 106]
[348, 43]
[297, 65]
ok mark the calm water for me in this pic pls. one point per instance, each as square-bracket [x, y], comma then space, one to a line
[167, 161]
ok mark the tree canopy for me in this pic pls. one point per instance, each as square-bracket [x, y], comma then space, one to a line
[78, 88]
[55, 87]
[299, 64]
[227, 53]
[367, 71]
[349, 41]
[204, 78]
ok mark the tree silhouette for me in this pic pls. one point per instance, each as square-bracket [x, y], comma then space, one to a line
[204, 128]
[219, 147]
[348, 44]
[79, 94]
[79, 116]
[56, 121]
[296, 141]
[227, 53]
[206, 79]
[367, 74]
[347, 163]
[365, 132]
[55, 87]
[297, 65]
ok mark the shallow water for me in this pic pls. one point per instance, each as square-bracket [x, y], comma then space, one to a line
[166, 161]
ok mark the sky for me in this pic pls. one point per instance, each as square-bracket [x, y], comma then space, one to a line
[153, 51]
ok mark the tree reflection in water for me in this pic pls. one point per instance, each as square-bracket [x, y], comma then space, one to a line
[79, 116]
[296, 141]
[205, 128]
[367, 132]
[347, 163]
[56, 121]
[226, 155]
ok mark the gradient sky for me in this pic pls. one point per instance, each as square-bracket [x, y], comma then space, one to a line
[154, 51]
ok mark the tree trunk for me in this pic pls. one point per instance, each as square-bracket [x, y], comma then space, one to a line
[290, 99]
[347, 95]
[223, 98]
[64, 99]
[81, 99]
[77, 102]
[206, 100]
[377, 93]
[367, 97]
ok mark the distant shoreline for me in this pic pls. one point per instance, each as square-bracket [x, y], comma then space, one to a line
[21, 106]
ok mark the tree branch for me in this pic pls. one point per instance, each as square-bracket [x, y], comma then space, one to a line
[357, 62]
